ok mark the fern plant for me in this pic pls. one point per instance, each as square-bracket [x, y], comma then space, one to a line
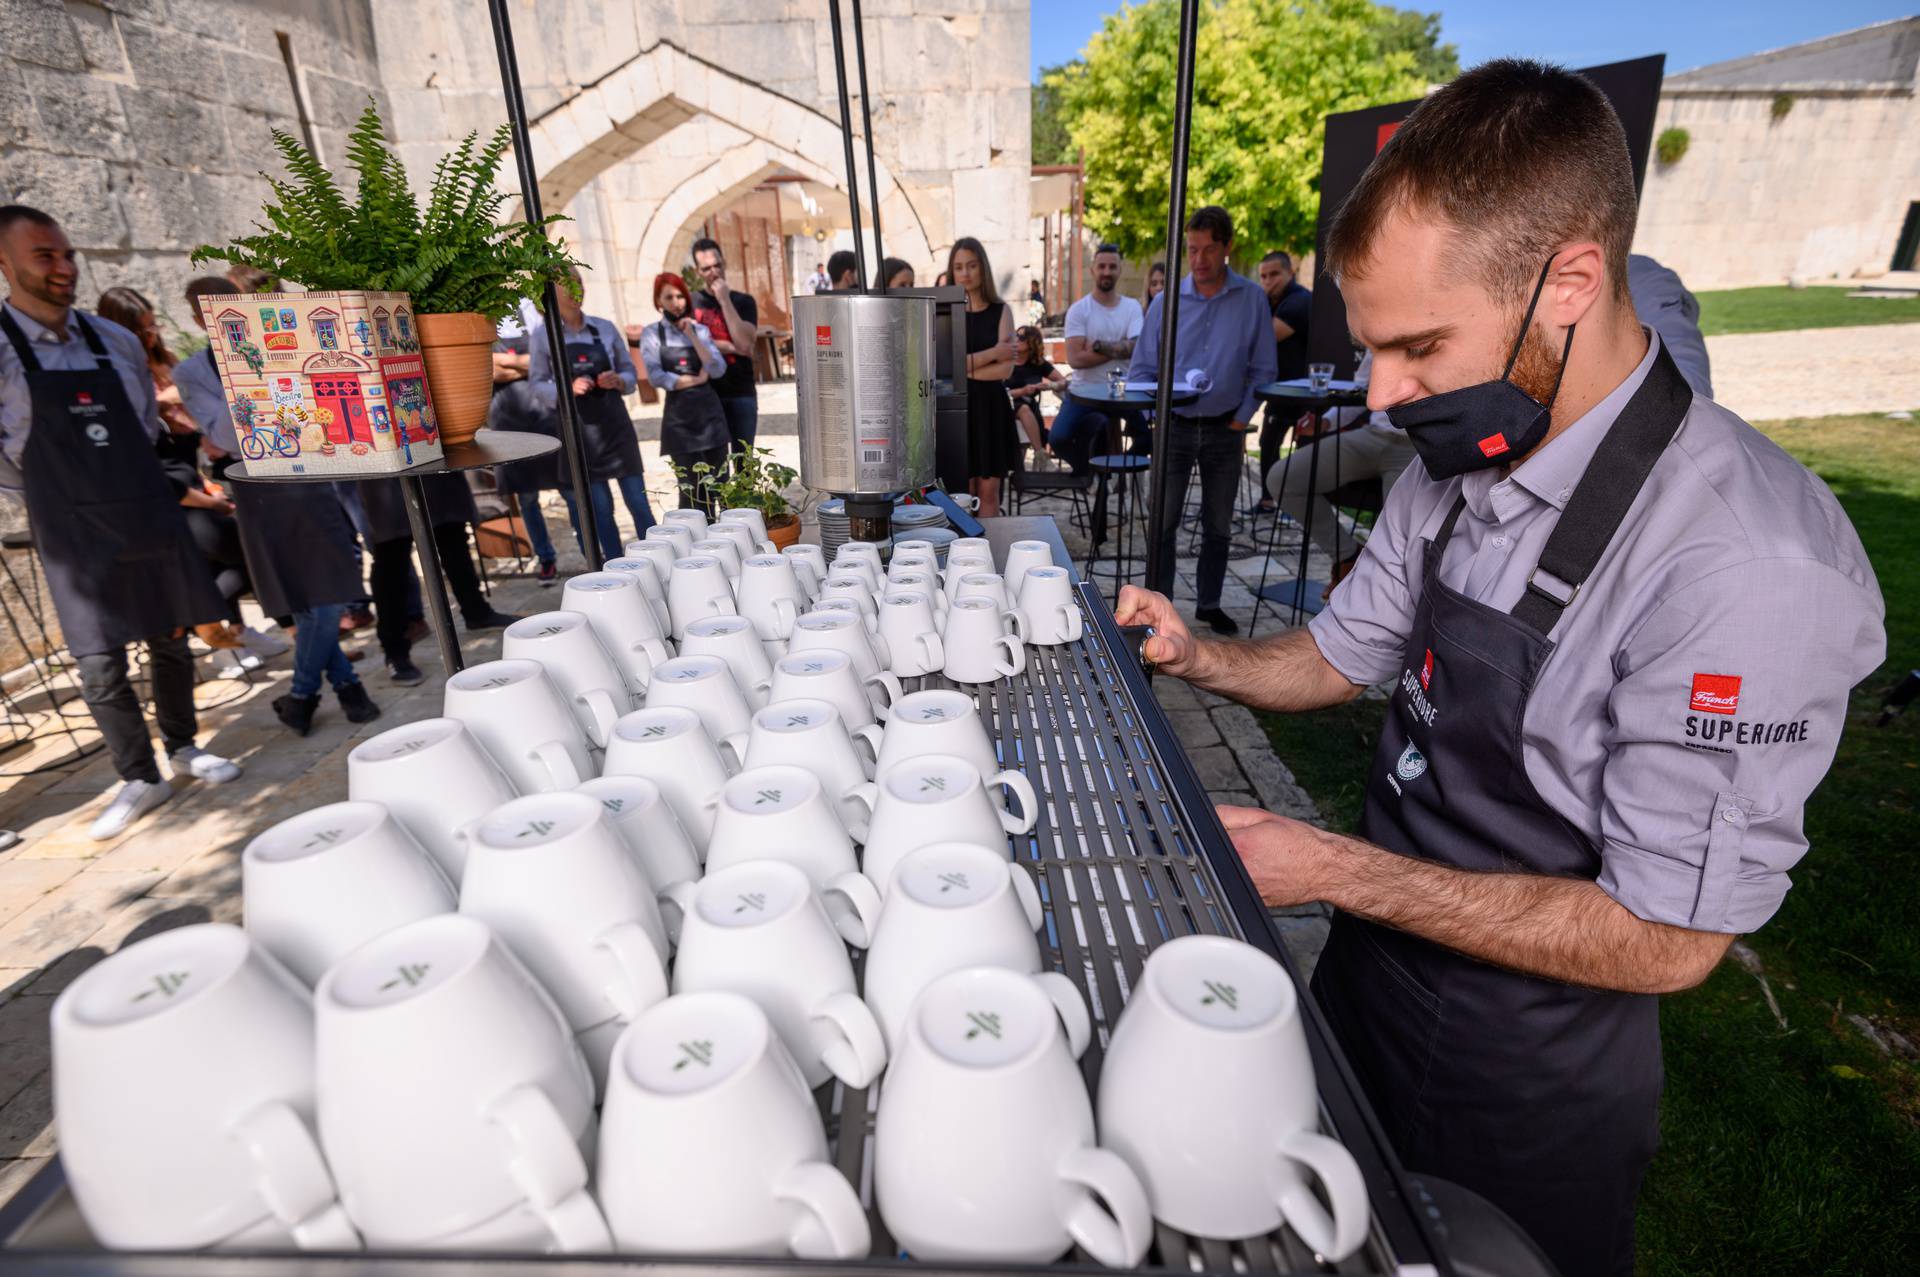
[452, 256]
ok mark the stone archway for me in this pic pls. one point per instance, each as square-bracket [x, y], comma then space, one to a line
[655, 92]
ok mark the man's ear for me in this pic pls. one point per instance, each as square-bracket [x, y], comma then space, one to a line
[1575, 284]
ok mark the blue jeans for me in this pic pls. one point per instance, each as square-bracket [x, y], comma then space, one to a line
[743, 420]
[633, 491]
[1080, 431]
[537, 535]
[1220, 454]
[316, 651]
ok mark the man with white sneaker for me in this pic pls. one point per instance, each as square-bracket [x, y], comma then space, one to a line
[77, 424]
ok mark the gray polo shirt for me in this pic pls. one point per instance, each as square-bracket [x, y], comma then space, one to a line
[1699, 680]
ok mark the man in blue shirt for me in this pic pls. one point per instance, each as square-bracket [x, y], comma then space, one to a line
[1225, 333]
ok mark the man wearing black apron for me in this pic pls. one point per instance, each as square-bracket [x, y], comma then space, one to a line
[681, 359]
[77, 426]
[1619, 627]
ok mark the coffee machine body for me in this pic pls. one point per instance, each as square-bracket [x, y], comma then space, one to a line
[865, 366]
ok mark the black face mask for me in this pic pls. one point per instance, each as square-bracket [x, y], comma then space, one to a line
[1485, 425]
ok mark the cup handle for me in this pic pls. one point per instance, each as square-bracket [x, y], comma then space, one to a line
[855, 1052]
[603, 713]
[1072, 1007]
[869, 735]
[547, 1165]
[853, 902]
[638, 981]
[1070, 623]
[856, 808]
[1334, 1235]
[676, 903]
[1118, 1233]
[890, 686]
[723, 602]
[652, 652]
[293, 1178]
[733, 748]
[767, 547]
[1029, 802]
[831, 1225]
[935, 650]
[784, 615]
[882, 651]
[1028, 895]
[559, 764]
[1017, 622]
[1016, 656]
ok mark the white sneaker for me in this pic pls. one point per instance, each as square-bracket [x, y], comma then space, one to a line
[135, 799]
[201, 765]
[264, 645]
[226, 663]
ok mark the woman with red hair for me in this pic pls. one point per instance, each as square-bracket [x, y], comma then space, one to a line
[681, 359]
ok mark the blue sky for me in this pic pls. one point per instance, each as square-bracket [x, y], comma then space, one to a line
[1691, 32]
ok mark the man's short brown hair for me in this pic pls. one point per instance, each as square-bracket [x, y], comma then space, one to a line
[1521, 158]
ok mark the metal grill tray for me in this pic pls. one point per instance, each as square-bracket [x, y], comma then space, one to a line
[1126, 853]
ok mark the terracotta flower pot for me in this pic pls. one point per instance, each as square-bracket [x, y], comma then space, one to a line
[458, 350]
[783, 530]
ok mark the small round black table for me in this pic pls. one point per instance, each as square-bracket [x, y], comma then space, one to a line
[1301, 399]
[485, 450]
[1101, 399]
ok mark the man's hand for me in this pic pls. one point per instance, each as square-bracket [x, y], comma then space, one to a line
[608, 380]
[1284, 858]
[1172, 647]
[581, 385]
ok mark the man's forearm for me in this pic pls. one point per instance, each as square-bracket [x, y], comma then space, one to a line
[742, 333]
[1285, 672]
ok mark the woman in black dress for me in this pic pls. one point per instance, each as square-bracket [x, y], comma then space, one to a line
[1031, 378]
[991, 351]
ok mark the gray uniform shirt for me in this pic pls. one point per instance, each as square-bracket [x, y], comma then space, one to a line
[1699, 680]
[205, 400]
[66, 351]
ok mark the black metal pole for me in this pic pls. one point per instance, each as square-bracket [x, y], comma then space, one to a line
[549, 301]
[1170, 296]
[420, 522]
[866, 125]
[846, 138]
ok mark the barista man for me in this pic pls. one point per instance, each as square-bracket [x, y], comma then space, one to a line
[1620, 626]
[77, 425]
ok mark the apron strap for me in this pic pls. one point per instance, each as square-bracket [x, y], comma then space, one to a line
[100, 356]
[1605, 493]
[29, 362]
[1445, 534]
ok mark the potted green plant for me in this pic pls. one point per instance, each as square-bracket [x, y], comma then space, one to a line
[753, 480]
[464, 268]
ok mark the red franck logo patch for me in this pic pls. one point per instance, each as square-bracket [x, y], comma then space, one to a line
[1426, 671]
[1493, 445]
[1715, 694]
[823, 335]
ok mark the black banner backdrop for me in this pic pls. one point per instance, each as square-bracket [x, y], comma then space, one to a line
[1353, 138]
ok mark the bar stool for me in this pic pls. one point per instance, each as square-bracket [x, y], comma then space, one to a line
[1128, 467]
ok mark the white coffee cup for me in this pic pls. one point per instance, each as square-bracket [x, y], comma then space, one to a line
[698, 587]
[551, 877]
[1048, 607]
[618, 609]
[771, 595]
[722, 549]
[183, 1089]
[523, 722]
[924, 562]
[565, 645]
[734, 640]
[912, 634]
[761, 930]
[984, 585]
[693, 518]
[863, 608]
[866, 551]
[650, 574]
[827, 675]
[670, 747]
[852, 587]
[925, 584]
[318, 885]
[862, 569]
[811, 734]
[950, 905]
[1022, 555]
[436, 779]
[782, 813]
[678, 535]
[841, 632]
[971, 547]
[745, 544]
[451, 1090]
[980, 645]
[707, 1076]
[705, 685]
[939, 798]
[756, 523]
[912, 545]
[1245, 1155]
[644, 819]
[809, 565]
[938, 720]
[985, 1105]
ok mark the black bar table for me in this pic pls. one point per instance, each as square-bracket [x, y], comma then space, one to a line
[1101, 398]
[485, 450]
[1318, 402]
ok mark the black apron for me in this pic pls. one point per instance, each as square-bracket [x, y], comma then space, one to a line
[606, 431]
[513, 408]
[1540, 1096]
[693, 420]
[449, 500]
[297, 539]
[120, 563]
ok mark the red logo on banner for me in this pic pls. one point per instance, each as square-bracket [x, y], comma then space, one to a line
[1426, 671]
[1385, 131]
[823, 335]
[1715, 693]
[1493, 445]
[84, 397]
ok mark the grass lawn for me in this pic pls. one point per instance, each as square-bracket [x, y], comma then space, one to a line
[1785, 1150]
[1782, 309]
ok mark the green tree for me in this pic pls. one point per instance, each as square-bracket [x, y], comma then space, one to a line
[1410, 31]
[1266, 74]
[1051, 145]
